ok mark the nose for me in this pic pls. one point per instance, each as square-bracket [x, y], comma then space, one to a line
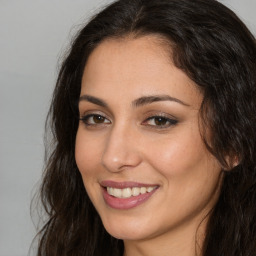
[121, 150]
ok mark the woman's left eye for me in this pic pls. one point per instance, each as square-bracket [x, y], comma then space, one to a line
[160, 121]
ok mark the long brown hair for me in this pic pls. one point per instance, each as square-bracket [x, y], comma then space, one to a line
[216, 50]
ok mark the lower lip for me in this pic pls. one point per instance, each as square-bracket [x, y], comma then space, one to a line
[126, 203]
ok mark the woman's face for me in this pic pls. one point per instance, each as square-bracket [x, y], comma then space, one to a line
[138, 146]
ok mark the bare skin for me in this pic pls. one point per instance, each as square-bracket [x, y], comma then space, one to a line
[140, 125]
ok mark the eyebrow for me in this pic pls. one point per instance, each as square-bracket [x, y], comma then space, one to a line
[155, 98]
[144, 100]
[93, 100]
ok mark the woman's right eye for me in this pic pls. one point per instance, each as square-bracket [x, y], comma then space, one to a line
[94, 119]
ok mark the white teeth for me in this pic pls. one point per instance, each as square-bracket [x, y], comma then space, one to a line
[143, 190]
[128, 192]
[117, 192]
[110, 191]
[135, 191]
[149, 189]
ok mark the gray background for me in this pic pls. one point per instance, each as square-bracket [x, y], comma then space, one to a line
[33, 34]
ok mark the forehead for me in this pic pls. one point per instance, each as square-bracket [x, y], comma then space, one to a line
[133, 67]
[128, 54]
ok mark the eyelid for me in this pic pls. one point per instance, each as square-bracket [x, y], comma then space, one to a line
[90, 114]
[172, 121]
[152, 114]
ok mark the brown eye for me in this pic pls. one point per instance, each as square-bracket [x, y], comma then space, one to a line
[94, 119]
[160, 122]
[97, 119]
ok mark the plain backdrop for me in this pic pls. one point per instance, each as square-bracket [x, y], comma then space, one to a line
[33, 35]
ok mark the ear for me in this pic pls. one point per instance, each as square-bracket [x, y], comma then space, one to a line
[232, 161]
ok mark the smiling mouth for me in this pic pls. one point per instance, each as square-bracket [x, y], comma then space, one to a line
[129, 192]
[126, 195]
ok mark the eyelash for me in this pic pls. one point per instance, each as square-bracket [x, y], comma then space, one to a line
[85, 119]
[161, 118]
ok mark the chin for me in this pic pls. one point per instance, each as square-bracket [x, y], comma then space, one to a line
[126, 234]
[131, 230]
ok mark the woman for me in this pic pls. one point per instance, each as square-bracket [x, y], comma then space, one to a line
[153, 118]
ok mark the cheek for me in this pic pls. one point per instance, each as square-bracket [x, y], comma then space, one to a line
[87, 153]
[190, 175]
[177, 154]
[87, 156]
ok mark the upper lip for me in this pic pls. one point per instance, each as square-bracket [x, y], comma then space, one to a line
[124, 184]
